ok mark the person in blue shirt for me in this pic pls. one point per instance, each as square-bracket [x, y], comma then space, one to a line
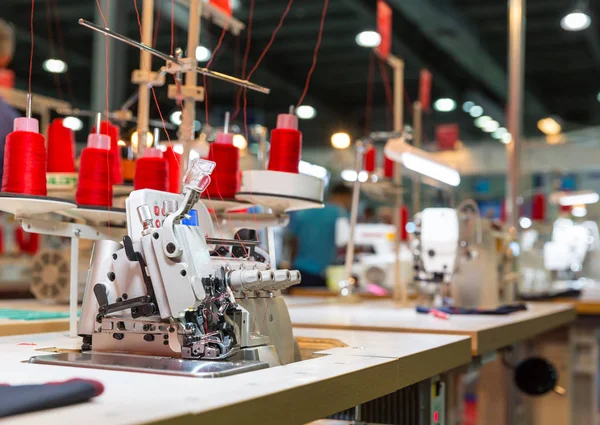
[312, 236]
[7, 113]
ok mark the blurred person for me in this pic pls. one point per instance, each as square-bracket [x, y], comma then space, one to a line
[312, 236]
[7, 113]
[369, 215]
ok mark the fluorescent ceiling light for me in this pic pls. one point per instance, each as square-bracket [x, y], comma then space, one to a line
[340, 140]
[468, 105]
[419, 161]
[202, 54]
[73, 123]
[350, 176]
[549, 126]
[482, 121]
[444, 104]
[306, 112]
[506, 139]
[581, 198]
[55, 66]
[499, 133]
[525, 222]
[175, 118]
[491, 126]
[575, 21]
[476, 111]
[368, 39]
[431, 169]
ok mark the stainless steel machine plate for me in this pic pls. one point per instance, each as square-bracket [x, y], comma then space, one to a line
[150, 364]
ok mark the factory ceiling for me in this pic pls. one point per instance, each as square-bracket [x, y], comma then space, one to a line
[462, 42]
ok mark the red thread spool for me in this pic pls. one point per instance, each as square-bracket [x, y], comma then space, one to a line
[94, 187]
[369, 159]
[174, 170]
[225, 180]
[403, 223]
[388, 168]
[111, 130]
[29, 244]
[61, 148]
[538, 207]
[286, 145]
[151, 171]
[25, 159]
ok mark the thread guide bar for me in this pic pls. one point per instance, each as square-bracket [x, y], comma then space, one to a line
[168, 58]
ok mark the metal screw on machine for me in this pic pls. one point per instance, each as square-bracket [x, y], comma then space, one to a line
[145, 215]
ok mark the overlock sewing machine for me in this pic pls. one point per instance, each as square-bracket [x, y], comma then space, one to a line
[172, 299]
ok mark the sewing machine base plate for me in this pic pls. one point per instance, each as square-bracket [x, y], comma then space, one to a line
[150, 364]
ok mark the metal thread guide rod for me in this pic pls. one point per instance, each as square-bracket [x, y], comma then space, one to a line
[226, 124]
[348, 285]
[168, 58]
[28, 109]
[156, 137]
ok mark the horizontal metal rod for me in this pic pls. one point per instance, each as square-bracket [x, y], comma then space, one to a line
[204, 71]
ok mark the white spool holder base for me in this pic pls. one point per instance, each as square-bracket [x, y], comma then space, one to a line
[98, 215]
[218, 205]
[21, 205]
[281, 192]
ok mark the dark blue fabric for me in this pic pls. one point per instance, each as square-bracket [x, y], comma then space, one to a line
[7, 116]
[18, 399]
[502, 310]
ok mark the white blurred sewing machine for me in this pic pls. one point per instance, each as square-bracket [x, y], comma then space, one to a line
[374, 258]
[461, 258]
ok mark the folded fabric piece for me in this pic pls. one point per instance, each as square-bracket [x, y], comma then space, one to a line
[502, 310]
[569, 293]
[19, 399]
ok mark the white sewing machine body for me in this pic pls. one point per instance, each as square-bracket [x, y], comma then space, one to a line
[172, 291]
[451, 268]
[374, 267]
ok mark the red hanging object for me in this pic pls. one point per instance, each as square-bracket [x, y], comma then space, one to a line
[538, 207]
[151, 171]
[25, 159]
[388, 168]
[111, 130]
[29, 245]
[286, 145]
[94, 186]
[174, 170]
[503, 212]
[61, 148]
[225, 179]
[369, 159]
[403, 223]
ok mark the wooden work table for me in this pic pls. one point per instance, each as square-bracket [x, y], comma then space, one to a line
[371, 365]
[488, 333]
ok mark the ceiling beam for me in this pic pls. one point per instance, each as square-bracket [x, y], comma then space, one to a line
[436, 17]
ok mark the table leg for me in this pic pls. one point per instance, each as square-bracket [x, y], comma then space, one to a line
[74, 287]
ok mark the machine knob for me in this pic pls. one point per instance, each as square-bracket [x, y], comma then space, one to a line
[145, 215]
[169, 206]
[245, 280]
[295, 278]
